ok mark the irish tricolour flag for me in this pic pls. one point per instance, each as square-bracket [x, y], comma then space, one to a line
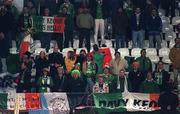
[48, 24]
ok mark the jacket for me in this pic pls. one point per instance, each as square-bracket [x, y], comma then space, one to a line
[154, 25]
[121, 24]
[133, 22]
[174, 57]
[85, 20]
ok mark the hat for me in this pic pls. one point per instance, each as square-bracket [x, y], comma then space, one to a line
[46, 69]
[76, 72]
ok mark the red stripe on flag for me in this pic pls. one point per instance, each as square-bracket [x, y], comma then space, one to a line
[32, 100]
[155, 98]
[59, 24]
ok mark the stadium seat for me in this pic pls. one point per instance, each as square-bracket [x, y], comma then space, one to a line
[161, 12]
[164, 52]
[164, 44]
[151, 52]
[165, 20]
[109, 43]
[172, 43]
[166, 60]
[13, 50]
[38, 50]
[130, 44]
[37, 43]
[79, 49]
[135, 52]
[52, 43]
[170, 35]
[154, 59]
[50, 51]
[124, 52]
[65, 51]
[146, 44]
[76, 43]
[166, 27]
[175, 20]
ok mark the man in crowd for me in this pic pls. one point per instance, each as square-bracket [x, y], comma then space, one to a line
[175, 59]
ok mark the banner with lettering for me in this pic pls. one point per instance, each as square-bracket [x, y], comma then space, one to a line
[48, 24]
[26, 101]
[117, 102]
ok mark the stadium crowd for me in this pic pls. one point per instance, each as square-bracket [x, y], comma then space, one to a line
[134, 20]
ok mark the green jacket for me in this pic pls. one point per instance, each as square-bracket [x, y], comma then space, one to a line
[45, 84]
[145, 63]
[149, 87]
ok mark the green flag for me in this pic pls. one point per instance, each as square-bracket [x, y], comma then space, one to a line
[109, 103]
[3, 100]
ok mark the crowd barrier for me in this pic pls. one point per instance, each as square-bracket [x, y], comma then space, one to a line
[80, 103]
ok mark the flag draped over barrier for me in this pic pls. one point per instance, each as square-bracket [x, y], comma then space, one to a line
[117, 102]
[58, 103]
[48, 24]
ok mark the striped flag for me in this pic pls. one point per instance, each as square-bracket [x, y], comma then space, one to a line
[48, 24]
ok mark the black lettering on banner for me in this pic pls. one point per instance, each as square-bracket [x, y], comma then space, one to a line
[49, 28]
[102, 103]
[145, 103]
[110, 104]
[137, 102]
[49, 21]
[153, 104]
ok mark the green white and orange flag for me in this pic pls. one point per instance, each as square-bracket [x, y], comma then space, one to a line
[20, 101]
[48, 24]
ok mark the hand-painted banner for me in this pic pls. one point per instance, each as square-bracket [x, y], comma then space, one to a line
[117, 102]
[48, 24]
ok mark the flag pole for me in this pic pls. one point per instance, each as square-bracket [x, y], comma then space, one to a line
[16, 109]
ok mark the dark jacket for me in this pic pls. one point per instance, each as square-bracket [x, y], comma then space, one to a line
[60, 84]
[154, 25]
[104, 9]
[168, 99]
[121, 24]
[76, 85]
[69, 21]
[40, 64]
[165, 79]
[136, 79]
[23, 81]
[56, 58]
[133, 22]
[23, 24]
[6, 25]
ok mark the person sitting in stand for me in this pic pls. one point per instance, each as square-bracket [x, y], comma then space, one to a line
[90, 69]
[81, 58]
[61, 81]
[144, 62]
[101, 86]
[161, 77]
[23, 80]
[136, 77]
[70, 61]
[45, 82]
[108, 77]
[120, 83]
[149, 85]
